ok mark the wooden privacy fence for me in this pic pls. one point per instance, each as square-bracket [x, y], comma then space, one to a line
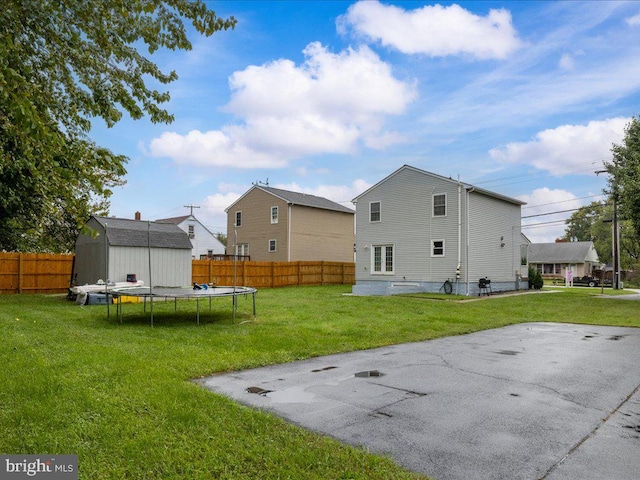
[50, 273]
[34, 272]
[273, 274]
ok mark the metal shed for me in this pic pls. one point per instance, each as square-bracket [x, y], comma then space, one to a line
[159, 254]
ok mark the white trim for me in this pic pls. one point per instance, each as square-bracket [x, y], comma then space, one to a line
[275, 245]
[433, 205]
[379, 211]
[273, 222]
[383, 256]
[433, 247]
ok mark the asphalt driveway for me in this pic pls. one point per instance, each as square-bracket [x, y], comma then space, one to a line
[528, 401]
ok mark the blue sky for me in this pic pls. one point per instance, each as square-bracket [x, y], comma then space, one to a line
[329, 97]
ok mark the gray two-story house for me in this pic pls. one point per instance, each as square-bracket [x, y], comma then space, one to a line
[415, 230]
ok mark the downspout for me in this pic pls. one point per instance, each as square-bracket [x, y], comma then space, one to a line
[289, 233]
[466, 273]
[459, 235]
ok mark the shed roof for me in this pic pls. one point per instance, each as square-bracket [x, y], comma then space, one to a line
[123, 232]
[298, 198]
[563, 252]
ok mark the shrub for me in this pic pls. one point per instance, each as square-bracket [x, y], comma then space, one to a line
[535, 279]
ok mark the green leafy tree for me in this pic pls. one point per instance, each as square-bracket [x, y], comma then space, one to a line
[593, 223]
[624, 175]
[64, 63]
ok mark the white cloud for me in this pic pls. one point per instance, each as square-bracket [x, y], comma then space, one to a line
[633, 21]
[566, 149]
[332, 103]
[212, 148]
[567, 62]
[545, 200]
[434, 30]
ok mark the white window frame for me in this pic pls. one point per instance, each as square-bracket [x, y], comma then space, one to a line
[433, 247]
[274, 218]
[192, 231]
[238, 216]
[379, 212]
[242, 249]
[275, 244]
[383, 257]
[433, 205]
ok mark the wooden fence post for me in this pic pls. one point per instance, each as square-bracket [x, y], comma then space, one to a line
[20, 272]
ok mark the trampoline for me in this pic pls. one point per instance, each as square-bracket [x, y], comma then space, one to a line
[198, 292]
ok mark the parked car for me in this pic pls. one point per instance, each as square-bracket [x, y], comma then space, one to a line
[586, 281]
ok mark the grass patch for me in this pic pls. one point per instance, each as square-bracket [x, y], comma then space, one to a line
[120, 396]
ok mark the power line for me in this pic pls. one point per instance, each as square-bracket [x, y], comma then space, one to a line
[542, 223]
[551, 213]
[563, 201]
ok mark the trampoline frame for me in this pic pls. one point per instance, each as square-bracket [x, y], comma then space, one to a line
[180, 292]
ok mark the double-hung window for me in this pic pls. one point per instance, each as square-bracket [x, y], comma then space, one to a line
[272, 245]
[440, 205]
[437, 248]
[374, 212]
[238, 219]
[382, 260]
[274, 214]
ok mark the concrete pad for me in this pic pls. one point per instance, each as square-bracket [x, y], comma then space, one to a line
[528, 401]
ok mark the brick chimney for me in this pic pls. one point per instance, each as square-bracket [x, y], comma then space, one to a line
[138, 216]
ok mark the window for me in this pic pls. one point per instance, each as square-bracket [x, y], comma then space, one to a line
[437, 249]
[440, 205]
[374, 211]
[382, 259]
[238, 219]
[243, 249]
[274, 214]
[272, 245]
[192, 233]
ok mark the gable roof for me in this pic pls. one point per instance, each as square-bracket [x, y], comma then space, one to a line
[563, 252]
[298, 198]
[122, 232]
[173, 220]
[470, 188]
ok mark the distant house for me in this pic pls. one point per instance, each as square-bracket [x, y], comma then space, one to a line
[553, 260]
[416, 229]
[122, 247]
[205, 244]
[271, 224]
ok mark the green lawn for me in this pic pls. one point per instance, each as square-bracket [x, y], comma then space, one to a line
[120, 396]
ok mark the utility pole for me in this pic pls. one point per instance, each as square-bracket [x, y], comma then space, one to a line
[615, 234]
[191, 206]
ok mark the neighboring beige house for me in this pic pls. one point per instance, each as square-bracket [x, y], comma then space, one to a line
[271, 224]
[553, 259]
